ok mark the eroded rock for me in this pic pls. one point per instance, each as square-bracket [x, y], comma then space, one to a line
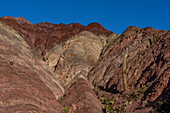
[147, 56]
[44, 36]
[75, 57]
[81, 58]
[26, 83]
[80, 98]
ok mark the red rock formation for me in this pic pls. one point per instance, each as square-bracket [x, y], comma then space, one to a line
[44, 36]
[80, 98]
[26, 83]
[148, 57]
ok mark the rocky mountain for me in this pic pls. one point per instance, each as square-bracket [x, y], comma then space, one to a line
[54, 68]
[44, 36]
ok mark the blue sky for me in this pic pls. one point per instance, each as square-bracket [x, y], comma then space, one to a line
[114, 15]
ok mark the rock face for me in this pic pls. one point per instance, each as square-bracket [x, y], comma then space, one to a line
[80, 98]
[26, 83]
[78, 69]
[75, 57]
[147, 61]
[35, 83]
[44, 36]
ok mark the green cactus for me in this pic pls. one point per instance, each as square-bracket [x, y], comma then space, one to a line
[124, 71]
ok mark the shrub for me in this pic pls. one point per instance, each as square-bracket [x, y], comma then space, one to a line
[65, 110]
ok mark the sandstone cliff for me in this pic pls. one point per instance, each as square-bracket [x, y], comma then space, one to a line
[26, 83]
[78, 69]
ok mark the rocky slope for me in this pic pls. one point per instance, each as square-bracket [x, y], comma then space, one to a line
[75, 57]
[147, 54]
[26, 83]
[44, 36]
[78, 69]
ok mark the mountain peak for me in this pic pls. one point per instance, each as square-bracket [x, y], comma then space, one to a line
[46, 33]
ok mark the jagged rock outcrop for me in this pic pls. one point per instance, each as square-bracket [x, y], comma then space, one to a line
[147, 57]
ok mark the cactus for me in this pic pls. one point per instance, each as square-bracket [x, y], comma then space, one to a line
[124, 71]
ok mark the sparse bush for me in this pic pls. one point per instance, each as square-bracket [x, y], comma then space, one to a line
[136, 93]
[65, 110]
[109, 106]
[141, 88]
[59, 98]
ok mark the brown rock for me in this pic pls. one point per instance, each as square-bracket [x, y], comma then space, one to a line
[83, 49]
[74, 53]
[44, 36]
[75, 57]
[147, 64]
[79, 98]
[26, 83]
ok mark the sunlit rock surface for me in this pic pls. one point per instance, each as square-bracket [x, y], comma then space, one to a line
[26, 83]
[75, 57]
[52, 68]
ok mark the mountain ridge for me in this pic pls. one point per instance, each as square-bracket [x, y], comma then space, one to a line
[81, 68]
[45, 33]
